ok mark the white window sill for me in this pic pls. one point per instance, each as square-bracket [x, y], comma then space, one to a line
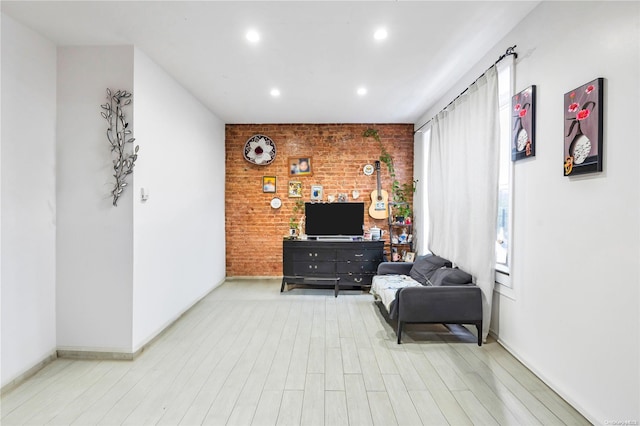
[503, 285]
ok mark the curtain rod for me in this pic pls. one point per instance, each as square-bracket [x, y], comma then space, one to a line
[510, 51]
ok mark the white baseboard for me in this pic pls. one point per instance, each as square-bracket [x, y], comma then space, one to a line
[98, 353]
[580, 409]
[29, 373]
[160, 331]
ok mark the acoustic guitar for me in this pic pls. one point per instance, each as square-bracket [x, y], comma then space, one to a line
[379, 208]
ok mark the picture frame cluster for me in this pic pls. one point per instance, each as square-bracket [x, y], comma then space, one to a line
[583, 119]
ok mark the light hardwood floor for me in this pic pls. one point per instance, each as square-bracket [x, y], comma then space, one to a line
[249, 355]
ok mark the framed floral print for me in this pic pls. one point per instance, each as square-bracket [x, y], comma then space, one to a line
[523, 112]
[583, 119]
[295, 189]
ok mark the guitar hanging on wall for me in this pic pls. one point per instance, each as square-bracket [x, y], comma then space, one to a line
[379, 208]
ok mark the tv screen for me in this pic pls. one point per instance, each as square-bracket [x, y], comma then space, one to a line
[334, 219]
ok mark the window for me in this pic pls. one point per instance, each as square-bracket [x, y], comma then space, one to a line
[503, 238]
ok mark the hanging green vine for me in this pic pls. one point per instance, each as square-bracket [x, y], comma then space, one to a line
[400, 192]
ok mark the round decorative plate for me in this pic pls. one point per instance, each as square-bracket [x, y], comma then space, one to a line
[368, 169]
[276, 203]
[260, 150]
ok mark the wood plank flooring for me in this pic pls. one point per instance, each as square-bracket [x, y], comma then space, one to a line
[249, 355]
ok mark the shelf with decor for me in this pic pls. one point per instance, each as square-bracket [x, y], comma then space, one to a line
[400, 233]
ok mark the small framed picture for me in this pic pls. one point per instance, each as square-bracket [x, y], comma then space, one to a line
[316, 192]
[409, 256]
[300, 166]
[268, 184]
[295, 189]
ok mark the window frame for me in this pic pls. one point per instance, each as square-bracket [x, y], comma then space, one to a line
[504, 271]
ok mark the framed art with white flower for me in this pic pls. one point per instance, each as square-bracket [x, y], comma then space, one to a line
[583, 132]
[300, 166]
[260, 150]
[268, 184]
[295, 189]
[523, 113]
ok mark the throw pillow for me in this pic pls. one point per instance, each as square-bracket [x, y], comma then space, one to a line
[425, 266]
[450, 276]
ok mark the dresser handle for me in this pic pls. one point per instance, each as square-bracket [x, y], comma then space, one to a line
[359, 255]
[358, 280]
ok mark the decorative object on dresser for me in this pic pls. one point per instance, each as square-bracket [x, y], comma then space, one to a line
[336, 263]
[117, 134]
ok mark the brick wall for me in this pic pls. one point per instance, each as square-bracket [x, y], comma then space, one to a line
[254, 230]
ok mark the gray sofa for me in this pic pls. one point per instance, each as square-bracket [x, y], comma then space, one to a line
[429, 291]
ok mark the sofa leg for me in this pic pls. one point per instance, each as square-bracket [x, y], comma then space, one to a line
[399, 331]
[479, 328]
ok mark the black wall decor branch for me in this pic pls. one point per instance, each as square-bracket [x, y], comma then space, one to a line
[117, 134]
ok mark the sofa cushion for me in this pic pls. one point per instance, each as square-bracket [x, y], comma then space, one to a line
[424, 267]
[385, 287]
[450, 276]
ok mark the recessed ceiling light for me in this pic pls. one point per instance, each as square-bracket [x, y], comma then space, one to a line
[380, 34]
[362, 91]
[275, 93]
[253, 36]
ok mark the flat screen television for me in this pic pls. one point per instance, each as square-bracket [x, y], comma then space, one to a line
[334, 220]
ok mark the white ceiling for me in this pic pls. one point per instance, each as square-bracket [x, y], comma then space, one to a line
[316, 53]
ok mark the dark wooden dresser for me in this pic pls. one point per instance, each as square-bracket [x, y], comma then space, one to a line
[336, 263]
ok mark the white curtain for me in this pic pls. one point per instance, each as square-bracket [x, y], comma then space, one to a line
[420, 206]
[463, 184]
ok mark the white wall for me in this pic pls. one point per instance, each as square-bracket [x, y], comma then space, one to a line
[572, 316]
[94, 239]
[28, 199]
[179, 238]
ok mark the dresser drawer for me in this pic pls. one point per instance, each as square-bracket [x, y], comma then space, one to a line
[360, 255]
[349, 266]
[346, 267]
[312, 255]
[309, 268]
[355, 278]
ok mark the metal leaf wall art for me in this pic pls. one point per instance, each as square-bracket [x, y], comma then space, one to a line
[119, 135]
